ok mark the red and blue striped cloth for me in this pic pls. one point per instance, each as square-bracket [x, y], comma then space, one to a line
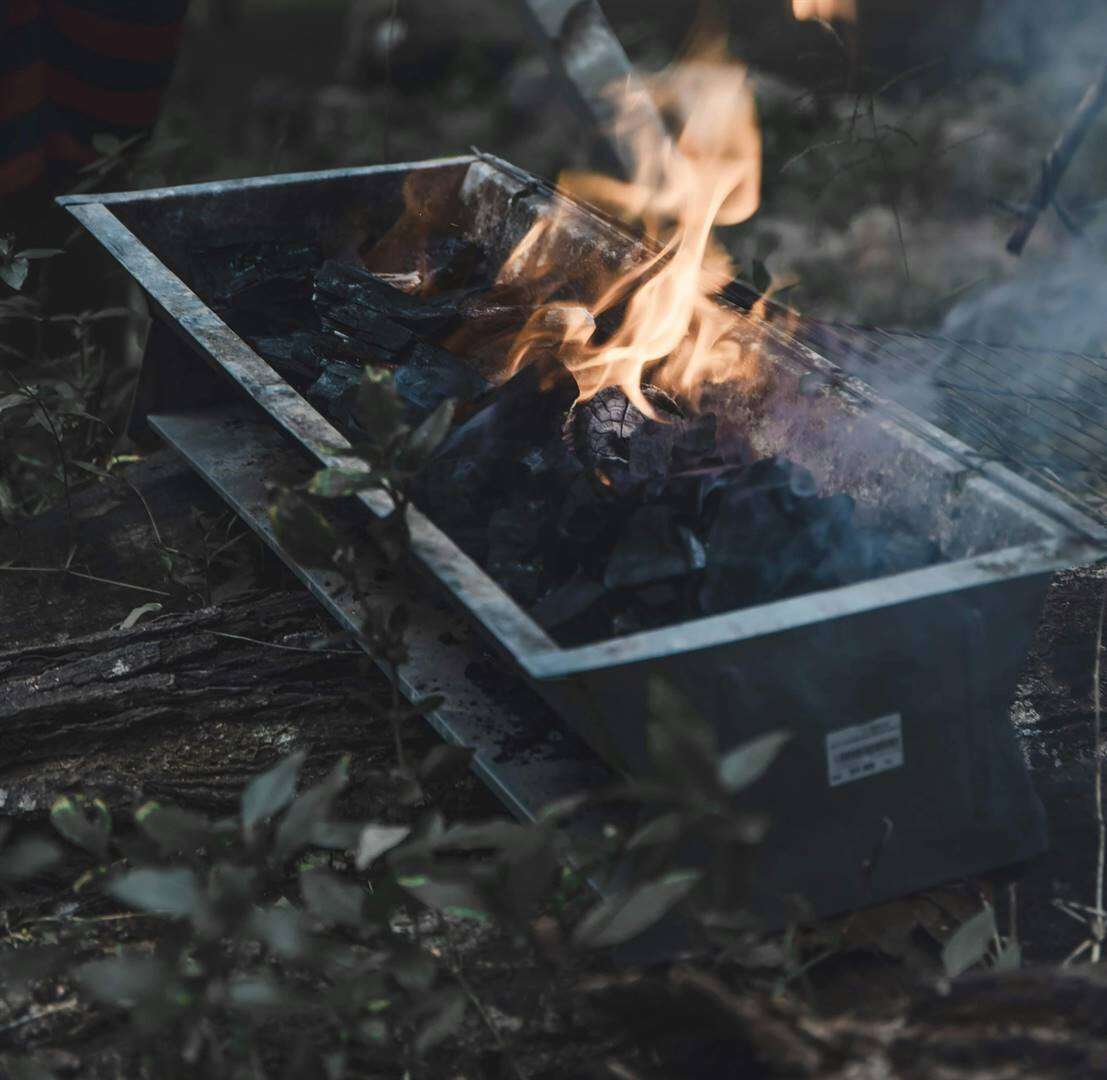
[74, 69]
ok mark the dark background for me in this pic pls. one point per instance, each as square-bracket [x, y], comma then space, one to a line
[886, 145]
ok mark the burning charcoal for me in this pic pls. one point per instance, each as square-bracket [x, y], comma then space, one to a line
[652, 548]
[695, 441]
[649, 453]
[601, 427]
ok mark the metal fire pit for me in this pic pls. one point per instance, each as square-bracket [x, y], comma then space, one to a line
[903, 771]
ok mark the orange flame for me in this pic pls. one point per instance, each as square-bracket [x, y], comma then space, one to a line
[670, 327]
[825, 10]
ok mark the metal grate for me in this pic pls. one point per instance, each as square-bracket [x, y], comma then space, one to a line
[1042, 412]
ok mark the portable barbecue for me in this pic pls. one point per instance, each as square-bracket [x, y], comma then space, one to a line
[903, 770]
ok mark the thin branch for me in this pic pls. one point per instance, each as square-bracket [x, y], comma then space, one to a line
[288, 648]
[1101, 825]
[84, 577]
[1058, 160]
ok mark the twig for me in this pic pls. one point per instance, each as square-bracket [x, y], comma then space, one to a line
[47, 1010]
[1058, 160]
[1101, 825]
[289, 648]
[85, 577]
[893, 201]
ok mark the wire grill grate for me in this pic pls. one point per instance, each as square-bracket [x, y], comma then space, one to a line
[1040, 411]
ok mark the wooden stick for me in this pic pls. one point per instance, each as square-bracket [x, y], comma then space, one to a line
[1059, 159]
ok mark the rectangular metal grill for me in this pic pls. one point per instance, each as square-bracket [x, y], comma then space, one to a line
[936, 649]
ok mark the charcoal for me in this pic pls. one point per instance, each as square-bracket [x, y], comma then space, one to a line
[597, 517]
[652, 548]
[601, 428]
[568, 602]
[430, 374]
[285, 354]
[452, 262]
[346, 293]
[366, 331]
[514, 532]
[222, 272]
[531, 403]
[271, 308]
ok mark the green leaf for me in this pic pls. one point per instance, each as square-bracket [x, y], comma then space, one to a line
[172, 891]
[744, 764]
[375, 840]
[26, 1069]
[336, 835]
[377, 407]
[271, 792]
[457, 896]
[27, 858]
[413, 968]
[106, 144]
[337, 482]
[622, 916]
[30, 963]
[1010, 957]
[84, 822]
[445, 760]
[657, 832]
[331, 899]
[125, 981]
[14, 273]
[309, 812]
[449, 1012]
[255, 993]
[38, 253]
[969, 943]
[281, 930]
[427, 437]
[137, 613]
[172, 829]
[681, 743]
[302, 530]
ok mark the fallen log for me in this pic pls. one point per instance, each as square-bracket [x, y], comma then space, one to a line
[189, 703]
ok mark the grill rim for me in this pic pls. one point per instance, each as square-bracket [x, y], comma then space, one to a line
[1072, 538]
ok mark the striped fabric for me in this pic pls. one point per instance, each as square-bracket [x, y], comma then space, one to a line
[73, 69]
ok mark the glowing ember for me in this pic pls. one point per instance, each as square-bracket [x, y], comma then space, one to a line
[825, 10]
[670, 330]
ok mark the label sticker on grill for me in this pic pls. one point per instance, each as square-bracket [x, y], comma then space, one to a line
[852, 753]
